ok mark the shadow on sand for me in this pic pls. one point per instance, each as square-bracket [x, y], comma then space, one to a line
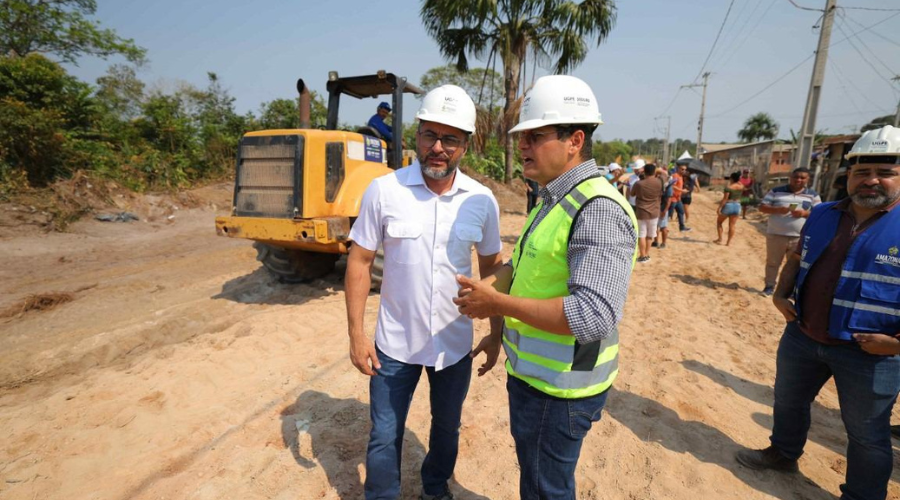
[322, 431]
[653, 422]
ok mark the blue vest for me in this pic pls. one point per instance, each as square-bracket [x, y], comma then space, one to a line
[867, 296]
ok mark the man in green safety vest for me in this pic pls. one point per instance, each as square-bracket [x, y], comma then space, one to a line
[563, 292]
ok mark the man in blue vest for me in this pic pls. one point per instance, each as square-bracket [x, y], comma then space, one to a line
[840, 293]
[563, 292]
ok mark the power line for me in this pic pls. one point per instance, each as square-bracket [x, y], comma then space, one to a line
[711, 49]
[868, 49]
[672, 102]
[782, 77]
[804, 8]
[865, 95]
[842, 84]
[734, 48]
[866, 60]
[872, 8]
[854, 21]
[767, 87]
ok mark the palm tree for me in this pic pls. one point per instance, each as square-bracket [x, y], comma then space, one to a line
[548, 29]
[759, 126]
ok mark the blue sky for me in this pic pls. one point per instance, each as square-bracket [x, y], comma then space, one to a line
[259, 49]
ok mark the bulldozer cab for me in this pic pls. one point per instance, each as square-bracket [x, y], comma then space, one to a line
[379, 84]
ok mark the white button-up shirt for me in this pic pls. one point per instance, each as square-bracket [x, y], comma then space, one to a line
[427, 240]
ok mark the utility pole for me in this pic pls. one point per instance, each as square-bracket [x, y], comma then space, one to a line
[897, 114]
[666, 143]
[702, 111]
[808, 127]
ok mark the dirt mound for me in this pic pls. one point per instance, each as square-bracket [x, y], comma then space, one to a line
[511, 198]
[66, 201]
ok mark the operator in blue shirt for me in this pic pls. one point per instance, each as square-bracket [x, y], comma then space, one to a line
[377, 122]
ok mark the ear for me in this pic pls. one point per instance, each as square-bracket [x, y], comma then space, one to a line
[577, 138]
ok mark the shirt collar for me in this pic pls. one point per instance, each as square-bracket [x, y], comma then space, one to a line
[559, 187]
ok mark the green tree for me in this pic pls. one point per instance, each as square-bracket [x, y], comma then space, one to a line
[759, 126]
[551, 31]
[878, 123]
[60, 28]
[606, 152]
[42, 109]
[283, 113]
[484, 86]
[120, 92]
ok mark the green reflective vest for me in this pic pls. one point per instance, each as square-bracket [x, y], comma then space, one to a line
[557, 364]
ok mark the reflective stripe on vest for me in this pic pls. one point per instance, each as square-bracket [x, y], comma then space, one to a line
[557, 364]
[520, 359]
[866, 307]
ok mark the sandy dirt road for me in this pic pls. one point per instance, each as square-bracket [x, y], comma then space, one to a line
[181, 370]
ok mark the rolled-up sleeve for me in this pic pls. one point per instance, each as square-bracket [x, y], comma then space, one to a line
[600, 254]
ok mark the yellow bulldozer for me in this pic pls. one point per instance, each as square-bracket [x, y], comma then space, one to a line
[297, 192]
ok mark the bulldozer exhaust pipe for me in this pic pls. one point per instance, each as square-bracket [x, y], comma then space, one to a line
[304, 107]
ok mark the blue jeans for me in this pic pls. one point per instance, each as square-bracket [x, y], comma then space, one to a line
[390, 394]
[548, 432]
[867, 387]
[678, 207]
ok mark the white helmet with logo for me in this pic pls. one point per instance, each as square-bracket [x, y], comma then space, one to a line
[884, 141]
[450, 105]
[558, 100]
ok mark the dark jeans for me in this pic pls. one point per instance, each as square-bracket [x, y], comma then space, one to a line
[867, 387]
[390, 393]
[548, 432]
[678, 207]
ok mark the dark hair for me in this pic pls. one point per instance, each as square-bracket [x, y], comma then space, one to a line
[649, 169]
[735, 176]
[564, 131]
[800, 170]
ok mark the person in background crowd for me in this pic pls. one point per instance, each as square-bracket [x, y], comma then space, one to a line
[662, 233]
[729, 208]
[788, 207]
[678, 190]
[648, 194]
[747, 195]
[691, 185]
[636, 175]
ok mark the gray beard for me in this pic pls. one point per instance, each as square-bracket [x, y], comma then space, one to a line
[881, 200]
[437, 174]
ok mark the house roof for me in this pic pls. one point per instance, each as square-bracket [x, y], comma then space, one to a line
[841, 138]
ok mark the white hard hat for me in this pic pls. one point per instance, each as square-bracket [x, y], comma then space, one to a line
[884, 141]
[450, 105]
[614, 166]
[639, 164]
[558, 100]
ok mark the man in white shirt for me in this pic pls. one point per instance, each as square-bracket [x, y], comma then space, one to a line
[427, 217]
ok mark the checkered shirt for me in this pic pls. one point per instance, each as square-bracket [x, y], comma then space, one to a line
[599, 257]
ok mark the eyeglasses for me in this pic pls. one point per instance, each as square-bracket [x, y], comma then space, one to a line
[531, 138]
[448, 142]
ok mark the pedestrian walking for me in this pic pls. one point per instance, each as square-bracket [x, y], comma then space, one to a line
[572, 265]
[427, 217]
[729, 208]
[648, 194]
[840, 294]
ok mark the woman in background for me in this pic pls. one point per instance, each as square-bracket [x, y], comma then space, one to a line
[729, 207]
